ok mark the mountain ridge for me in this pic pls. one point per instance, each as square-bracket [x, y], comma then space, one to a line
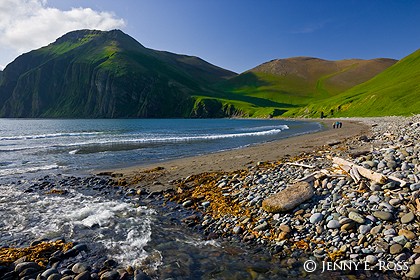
[108, 74]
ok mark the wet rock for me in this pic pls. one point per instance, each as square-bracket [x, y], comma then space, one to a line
[25, 265]
[29, 272]
[83, 276]
[71, 253]
[285, 228]
[49, 272]
[415, 187]
[187, 203]
[110, 263]
[288, 198]
[79, 268]
[140, 275]
[110, 275]
[54, 276]
[237, 230]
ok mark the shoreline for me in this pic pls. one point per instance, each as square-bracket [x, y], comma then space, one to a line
[161, 176]
[344, 217]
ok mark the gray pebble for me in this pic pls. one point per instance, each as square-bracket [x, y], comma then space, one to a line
[333, 224]
[316, 218]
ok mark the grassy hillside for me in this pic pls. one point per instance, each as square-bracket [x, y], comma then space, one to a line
[395, 91]
[299, 81]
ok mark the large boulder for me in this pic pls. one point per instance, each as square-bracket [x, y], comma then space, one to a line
[288, 198]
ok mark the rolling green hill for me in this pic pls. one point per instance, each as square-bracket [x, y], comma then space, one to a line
[89, 73]
[299, 81]
[395, 91]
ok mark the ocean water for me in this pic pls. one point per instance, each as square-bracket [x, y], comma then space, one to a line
[145, 235]
[36, 147]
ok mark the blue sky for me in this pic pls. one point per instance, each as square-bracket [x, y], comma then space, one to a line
[233, 34]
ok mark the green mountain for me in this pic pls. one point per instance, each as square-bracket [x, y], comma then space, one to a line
[395, 91]
[97, 74]
[296, 82]
[91, 73]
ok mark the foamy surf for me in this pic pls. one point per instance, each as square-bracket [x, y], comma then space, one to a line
[24, 170]
[121, 227]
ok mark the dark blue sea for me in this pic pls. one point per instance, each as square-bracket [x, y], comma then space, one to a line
[40, 146]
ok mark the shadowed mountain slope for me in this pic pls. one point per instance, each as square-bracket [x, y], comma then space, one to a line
[89, 73]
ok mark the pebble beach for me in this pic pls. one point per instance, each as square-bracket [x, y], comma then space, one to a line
[333, 222]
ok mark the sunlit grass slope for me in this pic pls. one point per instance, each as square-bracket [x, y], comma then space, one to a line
[395, 91]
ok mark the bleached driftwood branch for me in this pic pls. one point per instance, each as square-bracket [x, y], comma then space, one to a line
[300, 164]
[402, 183]
[371, 175]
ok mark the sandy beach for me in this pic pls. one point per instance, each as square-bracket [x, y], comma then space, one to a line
[159, 176]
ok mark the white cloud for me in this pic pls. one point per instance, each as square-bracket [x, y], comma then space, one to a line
[31, 24]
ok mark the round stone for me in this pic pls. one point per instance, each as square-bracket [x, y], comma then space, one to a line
[356, 217]
[363, 229]
[285, 228]
[79, 268]
[395, 249]
[333, 224]
[187, 203]
[400, 239]
[383, 215]
[394, 201]
[407, 233]
[110, 275]
[371, 259]
[407, 218]
[237, 230]
[316, 218]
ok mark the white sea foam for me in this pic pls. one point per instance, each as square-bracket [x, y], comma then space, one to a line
[121, 227]
[171, 139]
[49, 135]
[23, 170]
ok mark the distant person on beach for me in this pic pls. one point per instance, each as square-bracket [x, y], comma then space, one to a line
[337, 125]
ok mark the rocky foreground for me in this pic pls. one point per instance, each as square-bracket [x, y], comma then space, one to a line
[303, 208]
[338, 216]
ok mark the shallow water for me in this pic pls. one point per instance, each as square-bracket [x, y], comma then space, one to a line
[121, 228]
